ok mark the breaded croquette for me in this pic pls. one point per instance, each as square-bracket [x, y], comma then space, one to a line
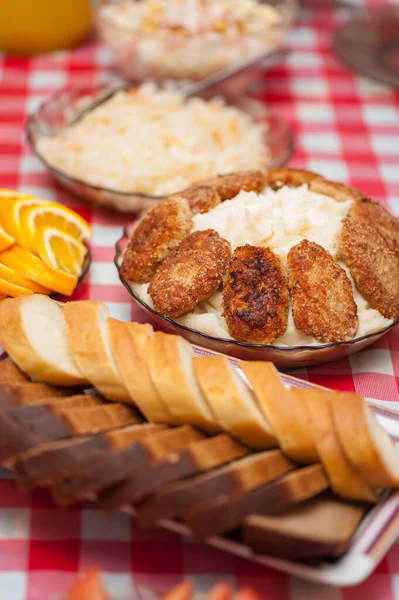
[374, 268]
[375, 215]
[323, 302]
[201, 198]
[228, 186]
[255, 295]
[159, 231]
[190, 274]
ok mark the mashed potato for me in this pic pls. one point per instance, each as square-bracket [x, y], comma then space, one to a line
[279, 220]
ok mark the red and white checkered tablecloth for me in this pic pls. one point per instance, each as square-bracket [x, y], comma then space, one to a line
[346, 128]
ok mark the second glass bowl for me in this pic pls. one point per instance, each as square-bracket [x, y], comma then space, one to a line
[64, 108]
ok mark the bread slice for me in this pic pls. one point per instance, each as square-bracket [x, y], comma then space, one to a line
[345, 480]
[19, 394]
[245, 474]
[119, 465]
[11, 374]
[129, 345]
[33, 332]
[369, 448]
[226, 513]
[51, 462]
[29, 426]
[87, 333]
[286, 416]
[171, 364]
[201, 456]
[320, 527]
[233, 402]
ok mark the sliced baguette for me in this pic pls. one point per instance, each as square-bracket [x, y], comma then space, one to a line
[119, 465]
[171, 364]
[345, 480]
[129, 344]
[286, 416]
[201, 456]
[33, 332]
[317, 528]
[87, 334]
[226, 513]
[365, 443]
[245, 474]
[233, 402]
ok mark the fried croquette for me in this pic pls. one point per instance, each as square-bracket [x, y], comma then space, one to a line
[323, 303]
[277, 178]
[159, 231]
[255, 295]
[375, 215]
[374, 268]
[228, 186]
[190, 274]
[201, 198]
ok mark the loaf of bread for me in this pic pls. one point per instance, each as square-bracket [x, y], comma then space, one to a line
[195, 457]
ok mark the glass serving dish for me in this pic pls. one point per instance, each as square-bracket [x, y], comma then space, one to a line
[67, 107]
[286, 357]
[165, 55]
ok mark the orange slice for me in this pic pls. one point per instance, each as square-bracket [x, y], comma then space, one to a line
[14, 277]
[54, 215]
[32, 267]
[58, 250]
[10, 215]
[6, 240]
[11, 289]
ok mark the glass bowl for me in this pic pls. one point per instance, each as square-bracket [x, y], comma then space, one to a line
[68, 106]
[286, 357]
[175, 56]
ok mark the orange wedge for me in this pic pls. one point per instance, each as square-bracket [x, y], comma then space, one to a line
[10, 215]
[58, 250]
[33, 268]
[14, 277]
[53, 215]
[13, 290]
[6, 240]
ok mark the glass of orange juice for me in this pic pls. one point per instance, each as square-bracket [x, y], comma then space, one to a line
[31, 26]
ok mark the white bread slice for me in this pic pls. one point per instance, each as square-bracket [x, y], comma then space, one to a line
[345, 480]
[366, 444]
[33, 332]
[287, 418]
[88, 341]
[129, 346]
[171, 363]
[233, 402]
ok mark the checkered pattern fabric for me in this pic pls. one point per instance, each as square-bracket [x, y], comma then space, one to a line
[346, 128]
